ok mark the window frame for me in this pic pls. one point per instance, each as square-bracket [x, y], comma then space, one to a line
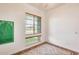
[34, 24]
[34, 34]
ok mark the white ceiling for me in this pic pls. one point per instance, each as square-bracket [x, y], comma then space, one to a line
[46, 6]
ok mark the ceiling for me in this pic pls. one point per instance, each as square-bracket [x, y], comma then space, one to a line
[46, 6]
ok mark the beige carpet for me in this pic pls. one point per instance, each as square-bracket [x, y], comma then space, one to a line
[47, 49]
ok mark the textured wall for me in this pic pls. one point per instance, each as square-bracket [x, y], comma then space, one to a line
[16, 13]
[64, 26]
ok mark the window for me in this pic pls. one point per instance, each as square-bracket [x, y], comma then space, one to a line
[32, 28]
[29, 24]
[33, 39]
[33, 24]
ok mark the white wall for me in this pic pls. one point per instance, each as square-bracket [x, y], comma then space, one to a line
[16, 13]
[63, 23]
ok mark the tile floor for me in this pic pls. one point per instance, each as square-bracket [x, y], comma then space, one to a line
[47, 49]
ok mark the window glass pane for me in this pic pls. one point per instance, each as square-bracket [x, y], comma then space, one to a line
[32, 40]
[37, 24]
[29, 30]
[29, 24]
[28, 16]
[29, 21]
